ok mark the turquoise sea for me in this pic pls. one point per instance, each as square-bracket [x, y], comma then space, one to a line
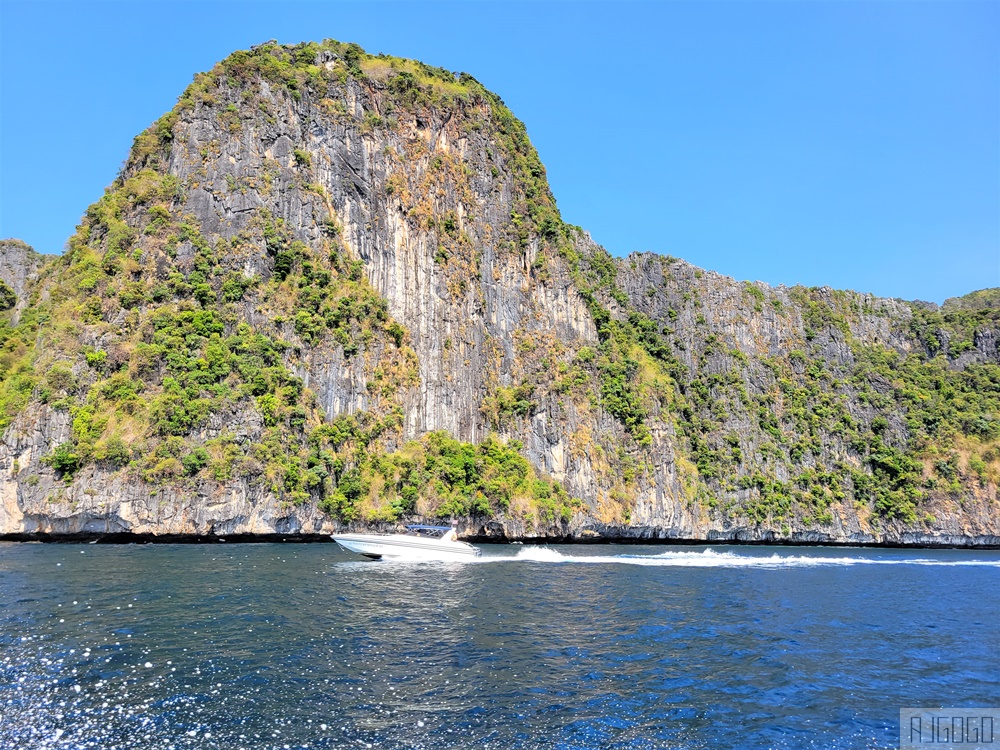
[603, 646]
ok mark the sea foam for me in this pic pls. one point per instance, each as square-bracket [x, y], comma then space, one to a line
[709, 558]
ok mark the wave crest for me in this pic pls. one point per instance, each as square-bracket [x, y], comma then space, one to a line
[709, 558]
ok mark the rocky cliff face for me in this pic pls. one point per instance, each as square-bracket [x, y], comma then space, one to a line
[794, 400]
[333, 288]
[19, 266]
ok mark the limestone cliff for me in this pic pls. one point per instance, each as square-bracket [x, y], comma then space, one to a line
[332, 288]
[19, 266]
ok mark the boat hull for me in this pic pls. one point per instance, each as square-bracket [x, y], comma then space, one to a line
[405, 547]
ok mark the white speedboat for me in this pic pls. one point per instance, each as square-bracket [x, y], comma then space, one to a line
[422, 543]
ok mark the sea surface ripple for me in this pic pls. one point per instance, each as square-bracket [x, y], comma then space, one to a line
[305, 646]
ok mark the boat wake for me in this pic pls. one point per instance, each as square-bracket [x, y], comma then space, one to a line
[709, 558]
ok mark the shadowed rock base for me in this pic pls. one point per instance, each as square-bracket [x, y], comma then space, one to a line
[617, 535]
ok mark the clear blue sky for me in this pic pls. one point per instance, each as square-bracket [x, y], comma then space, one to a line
[850, 144]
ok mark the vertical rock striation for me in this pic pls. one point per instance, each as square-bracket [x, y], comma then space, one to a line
[19, 266]
[323, 268]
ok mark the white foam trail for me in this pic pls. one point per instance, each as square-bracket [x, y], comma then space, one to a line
[709, 558]
[542, 554]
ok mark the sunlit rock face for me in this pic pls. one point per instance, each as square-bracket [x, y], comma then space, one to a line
[389, 228]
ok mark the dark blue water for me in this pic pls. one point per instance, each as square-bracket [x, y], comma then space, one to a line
[292, 646]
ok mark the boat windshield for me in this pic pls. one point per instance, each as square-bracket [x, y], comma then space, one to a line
[420, 527]
[442, 532]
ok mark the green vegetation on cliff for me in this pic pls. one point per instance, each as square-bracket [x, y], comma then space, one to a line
[175, 364]
[885, 429]
[440, 476]
[7, 297]
[978, 300]
[212, 324]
